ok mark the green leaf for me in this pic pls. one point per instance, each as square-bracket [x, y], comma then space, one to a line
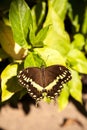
[75, 86]
[33, 59]
[77, 61]
[9, 83]
[84, 26]
[86, 46]
[60, 7]
[32, 35]
[63, 98]
[56, 37]
[41, 34]
[50, 56]
[8, 44]
[20, 18]
[38, 41]
[38, 14]
[78, 41]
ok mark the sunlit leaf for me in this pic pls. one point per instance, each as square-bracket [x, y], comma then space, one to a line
[37, 41]
[9, 83]
[60, 7]
[77, 60]
[56, 38]
[33, 60]
[50, 56]
[8, 44]
[20, 18]
[78, 41]
[63, 98]
[75, 86]
[41, 36]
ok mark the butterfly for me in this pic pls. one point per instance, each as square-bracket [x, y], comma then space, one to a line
[45, 81]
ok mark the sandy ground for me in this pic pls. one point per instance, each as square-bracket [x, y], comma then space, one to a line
[45, 117]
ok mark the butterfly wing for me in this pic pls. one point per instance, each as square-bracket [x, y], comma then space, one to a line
[40, 81]
[31, 78]
[55, 77]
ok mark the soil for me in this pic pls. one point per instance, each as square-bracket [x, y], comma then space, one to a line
[26, 116]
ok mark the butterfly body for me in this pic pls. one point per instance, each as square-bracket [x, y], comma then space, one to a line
[41, 82]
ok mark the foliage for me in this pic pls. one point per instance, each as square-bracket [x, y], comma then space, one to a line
[33, 36]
